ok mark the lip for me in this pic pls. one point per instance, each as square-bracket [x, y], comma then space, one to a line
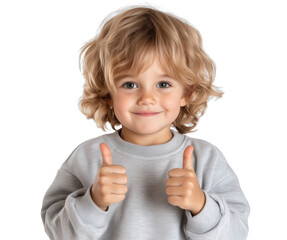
[147, 114]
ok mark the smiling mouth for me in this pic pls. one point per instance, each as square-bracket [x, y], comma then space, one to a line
[147, 114]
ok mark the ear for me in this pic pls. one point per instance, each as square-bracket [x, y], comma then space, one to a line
[184, 100]
[110, 102]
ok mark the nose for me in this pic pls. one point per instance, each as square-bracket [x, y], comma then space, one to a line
[146, 97]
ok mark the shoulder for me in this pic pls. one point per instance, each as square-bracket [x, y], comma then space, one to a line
[210, 164]
[87, 153]
[93, 144]
[201, 145]
[206, 153]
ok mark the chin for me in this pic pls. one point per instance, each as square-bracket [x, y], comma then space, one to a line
[147, 130]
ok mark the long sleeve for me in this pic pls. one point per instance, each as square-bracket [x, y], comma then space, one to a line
[226, 211]
[68, 211]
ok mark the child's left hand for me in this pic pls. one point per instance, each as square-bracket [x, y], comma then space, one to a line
[183, 189]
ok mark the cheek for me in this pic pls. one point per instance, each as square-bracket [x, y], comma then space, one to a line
[171, 103]
[120, 101]
[121, 105]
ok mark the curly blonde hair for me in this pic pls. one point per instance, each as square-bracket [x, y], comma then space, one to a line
[130, 40]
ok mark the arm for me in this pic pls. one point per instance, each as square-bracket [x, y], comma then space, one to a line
[226, 210]
[68, 211]
[224, 215]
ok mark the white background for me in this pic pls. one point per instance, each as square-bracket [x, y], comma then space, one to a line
[41, 84]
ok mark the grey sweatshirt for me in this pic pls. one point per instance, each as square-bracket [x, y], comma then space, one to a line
[68, 211]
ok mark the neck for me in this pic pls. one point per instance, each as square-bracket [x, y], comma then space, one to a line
[157, 138]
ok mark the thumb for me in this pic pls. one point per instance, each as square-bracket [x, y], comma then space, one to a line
[106, 154]
[187, 158]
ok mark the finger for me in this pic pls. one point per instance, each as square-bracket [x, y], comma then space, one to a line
[113, 198]
[116, 169]
[106, 154]
[117, 197]
[107, 179]
[176, 172]
[175, 200]
[174, 191]
[118, 189]
[187, 158]
[119, 179]
[173, 182]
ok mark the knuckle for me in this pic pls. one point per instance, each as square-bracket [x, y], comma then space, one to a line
[102, 171]
[125, 179]
[191, 185]
[123, 189]
[102, 181]
[167, 191]
[188, 192]
[168, 181]
[172, 200]
[190, 174]
[119, 198]
[171, 172]
[188, 183]
[121, 169]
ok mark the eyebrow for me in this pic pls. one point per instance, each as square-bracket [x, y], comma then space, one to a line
[165, 75]
[133, 76]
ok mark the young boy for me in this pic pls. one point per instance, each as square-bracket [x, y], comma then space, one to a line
[146, 72]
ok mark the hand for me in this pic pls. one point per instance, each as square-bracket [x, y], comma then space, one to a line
[110, 183]
[183, 189]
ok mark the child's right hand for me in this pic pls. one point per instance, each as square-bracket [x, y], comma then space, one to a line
[110, 185]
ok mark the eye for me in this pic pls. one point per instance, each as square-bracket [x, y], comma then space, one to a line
[163, 85]
[129, 85]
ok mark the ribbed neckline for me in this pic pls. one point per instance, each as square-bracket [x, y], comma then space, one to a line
[160, 150]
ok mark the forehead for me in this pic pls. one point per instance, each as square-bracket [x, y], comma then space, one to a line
[152, 67]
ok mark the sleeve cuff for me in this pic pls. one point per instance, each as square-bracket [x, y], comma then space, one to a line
[89, 211]
[206, 220]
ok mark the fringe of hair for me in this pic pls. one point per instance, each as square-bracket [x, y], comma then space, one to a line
[131, 40]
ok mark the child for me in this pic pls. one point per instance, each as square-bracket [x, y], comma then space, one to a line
[146, 72]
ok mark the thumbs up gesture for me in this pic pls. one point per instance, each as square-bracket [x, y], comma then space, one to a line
[182, 186]
[110, 183]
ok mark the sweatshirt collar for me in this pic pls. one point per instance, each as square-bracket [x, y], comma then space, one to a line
[122, 146]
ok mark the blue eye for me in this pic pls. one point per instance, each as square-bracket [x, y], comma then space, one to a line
[132, 85]
[129, 85]
[164, 85]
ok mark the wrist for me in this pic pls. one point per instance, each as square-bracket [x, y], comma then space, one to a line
[200, 205]
[95, 200]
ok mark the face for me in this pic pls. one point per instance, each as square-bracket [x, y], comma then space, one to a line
[146, 105]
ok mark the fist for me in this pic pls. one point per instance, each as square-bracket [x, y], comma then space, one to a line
[110, 185]
[182, 186]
